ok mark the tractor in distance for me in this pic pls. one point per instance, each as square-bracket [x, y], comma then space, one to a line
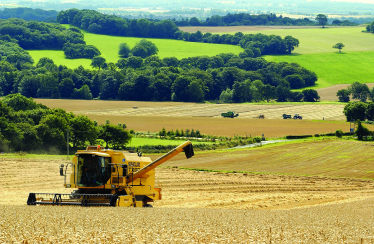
[106, 177]
[287, 116]
[229, 114]
[261, 116]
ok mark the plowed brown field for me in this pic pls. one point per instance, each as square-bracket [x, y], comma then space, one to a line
[210, 207]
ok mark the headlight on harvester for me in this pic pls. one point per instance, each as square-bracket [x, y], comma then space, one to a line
[113, 186]
[68, 186]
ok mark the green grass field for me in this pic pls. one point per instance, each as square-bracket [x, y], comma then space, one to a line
[315, 53]
[334, 68]
[321, 40]
[108, 46]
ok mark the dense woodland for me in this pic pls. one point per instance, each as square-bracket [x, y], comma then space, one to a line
[39, 35]
[28, 126]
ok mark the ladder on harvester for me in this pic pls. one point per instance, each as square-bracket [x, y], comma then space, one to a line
[132, 196]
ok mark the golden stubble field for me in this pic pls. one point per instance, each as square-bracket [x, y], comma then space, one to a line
[153, 116]
[209, 207]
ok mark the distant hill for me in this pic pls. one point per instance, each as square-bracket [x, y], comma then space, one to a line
[29, 14]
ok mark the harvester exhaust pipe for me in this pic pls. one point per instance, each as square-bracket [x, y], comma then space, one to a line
[186, 147]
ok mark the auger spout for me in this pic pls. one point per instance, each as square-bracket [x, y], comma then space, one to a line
[186, 147]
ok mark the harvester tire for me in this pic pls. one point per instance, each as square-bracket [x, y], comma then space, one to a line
[148, 206]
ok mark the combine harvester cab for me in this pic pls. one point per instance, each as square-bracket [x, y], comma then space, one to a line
[106, 177]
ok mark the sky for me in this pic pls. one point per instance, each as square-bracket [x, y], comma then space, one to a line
[355, 1]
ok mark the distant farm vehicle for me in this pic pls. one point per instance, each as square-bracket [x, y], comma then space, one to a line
[261, 116]
[229, 114]
[297, 116]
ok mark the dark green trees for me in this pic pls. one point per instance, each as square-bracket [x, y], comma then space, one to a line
[74, 51]
[310, 95]
[339, 46]
[355, 111]
[322, 20]
[290, 43]
[144, 48]
[359, 91]
[343, 95]
[361, 131]
[98, 62]
[114, 135]
[124, 50]
[28, 126]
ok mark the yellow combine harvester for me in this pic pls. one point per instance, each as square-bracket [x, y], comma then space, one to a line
[106, 177]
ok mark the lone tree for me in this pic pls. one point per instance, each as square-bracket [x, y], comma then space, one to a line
[322, 20]
[98, 62]
[290, 43]
[338, 46]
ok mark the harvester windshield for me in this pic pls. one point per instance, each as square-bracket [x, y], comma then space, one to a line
[93, 170]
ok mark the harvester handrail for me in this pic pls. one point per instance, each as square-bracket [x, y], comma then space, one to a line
[133, 176]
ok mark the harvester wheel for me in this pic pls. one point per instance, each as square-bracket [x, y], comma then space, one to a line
[147, 206]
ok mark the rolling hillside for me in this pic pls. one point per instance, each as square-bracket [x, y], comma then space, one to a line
[315, 51]
[108, 46]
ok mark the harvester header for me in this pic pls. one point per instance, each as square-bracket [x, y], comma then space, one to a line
[106, 177]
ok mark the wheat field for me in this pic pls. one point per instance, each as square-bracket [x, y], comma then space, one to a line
[200, 206]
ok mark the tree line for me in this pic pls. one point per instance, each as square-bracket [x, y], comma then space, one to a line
[245, 19]
[28, 126]
[40, 35]
[370, 27]
[357, 91]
